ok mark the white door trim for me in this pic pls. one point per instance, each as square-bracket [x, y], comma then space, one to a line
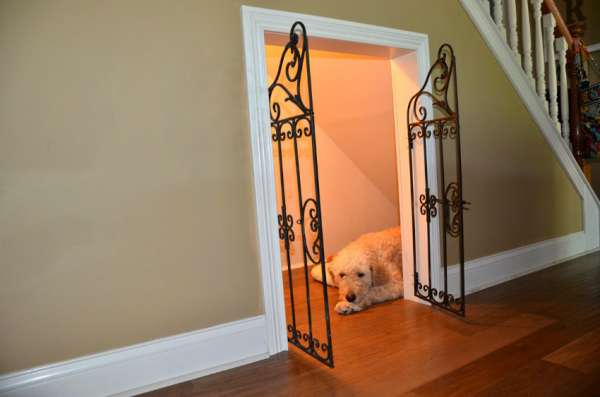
[257, 21]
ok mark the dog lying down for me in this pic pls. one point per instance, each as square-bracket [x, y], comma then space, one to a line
[366, 271]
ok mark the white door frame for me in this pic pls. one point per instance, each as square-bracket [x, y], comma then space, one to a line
[257, 21]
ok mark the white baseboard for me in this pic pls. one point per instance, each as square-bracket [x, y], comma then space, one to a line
[507, 265]
[146, 366]
[498, 268]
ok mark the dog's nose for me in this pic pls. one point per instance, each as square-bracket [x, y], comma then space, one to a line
[350, 297]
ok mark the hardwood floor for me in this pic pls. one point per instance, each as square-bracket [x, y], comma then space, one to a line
[538, 335]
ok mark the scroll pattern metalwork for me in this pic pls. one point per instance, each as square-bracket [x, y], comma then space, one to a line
[292, 128]
[292, 122]
[456, 205]
[286, 228]
[308, 343]
[433, 119]
[439, 128]
[428, 205]
[439, 76]
[439, 297]
[310, 212]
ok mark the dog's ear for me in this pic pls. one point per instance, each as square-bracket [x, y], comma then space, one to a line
[331, 275]
[330, 269]
[379, 275]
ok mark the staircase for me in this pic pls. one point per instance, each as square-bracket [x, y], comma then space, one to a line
[549, 55]
[542, 57]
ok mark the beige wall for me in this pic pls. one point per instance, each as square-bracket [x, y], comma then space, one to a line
[126, 199]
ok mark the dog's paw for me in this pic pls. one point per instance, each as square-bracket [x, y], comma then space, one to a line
[346, 308]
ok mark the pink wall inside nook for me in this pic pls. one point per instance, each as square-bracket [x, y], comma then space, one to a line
[354, 117]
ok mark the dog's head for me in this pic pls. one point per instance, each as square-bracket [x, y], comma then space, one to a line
[355, 275]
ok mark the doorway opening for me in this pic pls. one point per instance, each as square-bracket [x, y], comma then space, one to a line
[360, 93]
[284, 128]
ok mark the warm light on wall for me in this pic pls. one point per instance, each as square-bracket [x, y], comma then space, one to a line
[354, 115]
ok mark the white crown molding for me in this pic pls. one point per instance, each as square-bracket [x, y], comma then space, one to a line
[503, 53]
[145, 366]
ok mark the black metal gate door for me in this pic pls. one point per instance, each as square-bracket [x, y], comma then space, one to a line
[437, 200]
[295, 153]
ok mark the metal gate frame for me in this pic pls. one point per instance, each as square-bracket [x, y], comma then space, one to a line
[422, 125]
[294, 65]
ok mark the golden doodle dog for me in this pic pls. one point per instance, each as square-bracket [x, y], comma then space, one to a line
[366, 271]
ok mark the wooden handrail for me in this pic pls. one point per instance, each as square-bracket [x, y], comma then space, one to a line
[560, 22]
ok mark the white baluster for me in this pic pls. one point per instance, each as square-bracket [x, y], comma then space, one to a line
[561, 49]
[540, 77]
[513, 36]
[549, 25]
[526, 41]
[499, 17]
[486, 6]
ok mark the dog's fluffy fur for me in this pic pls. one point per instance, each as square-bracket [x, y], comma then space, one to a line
[366, 271]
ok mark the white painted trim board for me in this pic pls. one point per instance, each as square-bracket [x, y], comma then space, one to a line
[507, 265]
[145, 366]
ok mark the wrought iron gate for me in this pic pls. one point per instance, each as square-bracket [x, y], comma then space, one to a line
[295, 147]
[434, 121]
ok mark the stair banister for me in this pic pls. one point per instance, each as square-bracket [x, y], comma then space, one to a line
[513, 35]
[561, 50]
[572, 35]
[498, 11]
[540, 72]
[549, 26]
[526, 42]
[550, 59]
[550, 5]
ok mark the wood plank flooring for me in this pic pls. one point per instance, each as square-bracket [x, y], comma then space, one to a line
[538, 335]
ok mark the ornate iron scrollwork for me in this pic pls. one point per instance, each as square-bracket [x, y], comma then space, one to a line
[438, 297]
[286, 228]
[311, 209]
[432, 119]
[456, 205]
[440, 128]
[292, 120]
[309, 343]
[444, 67]
[428, 205]
[292, 128]
[287, 85]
